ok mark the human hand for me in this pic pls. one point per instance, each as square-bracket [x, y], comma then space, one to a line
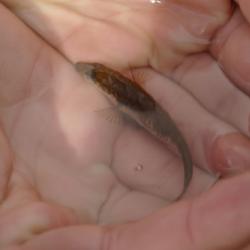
[216, 220]
[54, 109]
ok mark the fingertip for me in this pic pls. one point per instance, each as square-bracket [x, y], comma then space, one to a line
[230, 154]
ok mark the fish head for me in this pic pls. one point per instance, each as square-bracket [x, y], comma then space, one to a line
[86, 69]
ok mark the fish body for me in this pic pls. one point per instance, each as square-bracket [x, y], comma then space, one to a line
[134, 101]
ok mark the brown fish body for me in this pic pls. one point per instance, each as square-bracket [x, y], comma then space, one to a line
[123, 89]
[138, 104]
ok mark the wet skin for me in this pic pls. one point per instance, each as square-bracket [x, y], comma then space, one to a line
[138, 104]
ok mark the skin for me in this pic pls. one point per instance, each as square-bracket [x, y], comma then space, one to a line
[65, 170]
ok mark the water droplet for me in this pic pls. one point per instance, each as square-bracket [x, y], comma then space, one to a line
[139, 167]
[155, 1]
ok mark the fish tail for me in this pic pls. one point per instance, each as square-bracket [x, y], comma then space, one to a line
[187, 162]
[160, 124]
[167, 126]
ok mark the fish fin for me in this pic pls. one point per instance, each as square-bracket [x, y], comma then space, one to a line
[129, 120]
[146, 119]
[111, 114]
[136, 74]
[149, 120]
[115, 116]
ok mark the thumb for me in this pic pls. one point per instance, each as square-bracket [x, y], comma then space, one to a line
[217, 220]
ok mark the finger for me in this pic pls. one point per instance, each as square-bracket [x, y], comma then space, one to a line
[24, 64]
[245, 8]
[231, 49]
[215, 145]
[21, 224]
[160, 34]
[201, 75]
[213, 221]
[217, 220]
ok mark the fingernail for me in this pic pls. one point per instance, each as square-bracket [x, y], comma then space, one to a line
[231, 154]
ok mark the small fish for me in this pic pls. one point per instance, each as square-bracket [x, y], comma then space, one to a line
[135, 102]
